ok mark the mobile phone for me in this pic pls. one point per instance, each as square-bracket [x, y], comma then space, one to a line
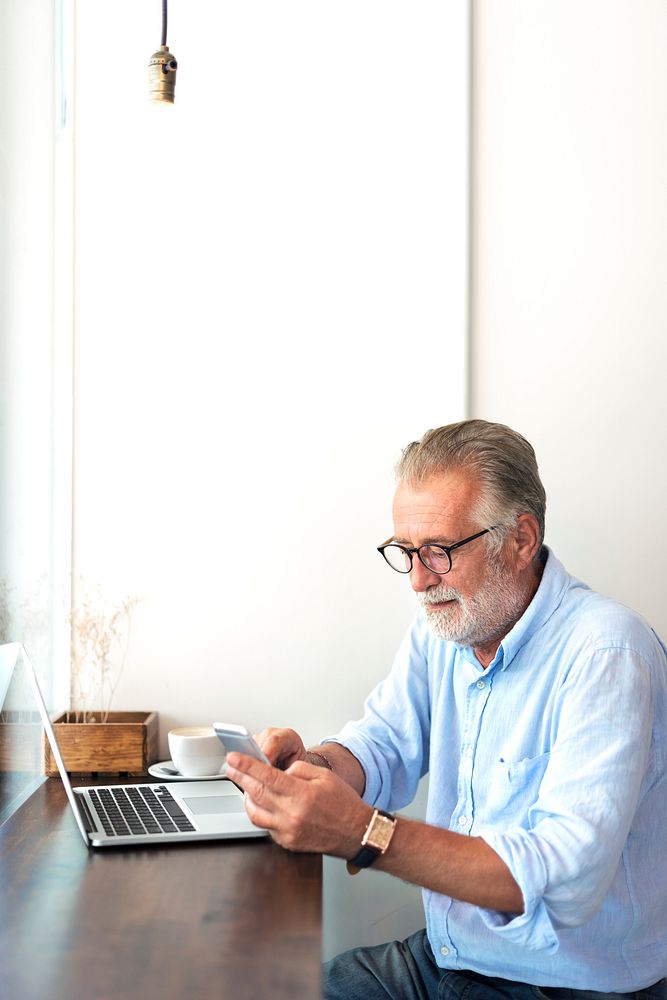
[238, 738]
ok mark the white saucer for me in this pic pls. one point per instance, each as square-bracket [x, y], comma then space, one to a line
[157, 772]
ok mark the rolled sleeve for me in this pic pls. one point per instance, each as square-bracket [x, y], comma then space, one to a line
[533, 928]
[372, 763]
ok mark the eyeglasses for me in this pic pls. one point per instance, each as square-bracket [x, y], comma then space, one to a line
[436, 558]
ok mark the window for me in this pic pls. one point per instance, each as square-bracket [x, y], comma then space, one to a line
[35, 400]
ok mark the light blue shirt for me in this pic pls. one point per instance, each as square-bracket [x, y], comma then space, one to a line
[555, 755]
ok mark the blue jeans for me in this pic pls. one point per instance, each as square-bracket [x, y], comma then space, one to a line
[406, 970]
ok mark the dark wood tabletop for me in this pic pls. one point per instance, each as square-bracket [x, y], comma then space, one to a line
[226, 919]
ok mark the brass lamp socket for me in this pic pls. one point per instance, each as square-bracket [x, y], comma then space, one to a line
[162, 76]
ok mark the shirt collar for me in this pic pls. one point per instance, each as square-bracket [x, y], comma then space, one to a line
[548, 596]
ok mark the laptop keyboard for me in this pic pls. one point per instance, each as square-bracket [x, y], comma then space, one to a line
[136, 810]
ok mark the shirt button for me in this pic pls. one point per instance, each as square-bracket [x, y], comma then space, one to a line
[481, 684]
[469, 753]
[444, 951]
[463, 820]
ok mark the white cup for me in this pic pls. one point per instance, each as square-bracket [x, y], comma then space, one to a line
[196, 751]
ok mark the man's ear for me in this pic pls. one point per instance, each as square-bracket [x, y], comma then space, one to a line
[525, 542]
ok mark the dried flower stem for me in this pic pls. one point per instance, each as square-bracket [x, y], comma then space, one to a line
[99, 630]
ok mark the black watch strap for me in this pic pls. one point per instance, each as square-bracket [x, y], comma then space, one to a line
[365, 857]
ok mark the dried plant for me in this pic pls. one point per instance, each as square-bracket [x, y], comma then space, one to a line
[100, 636]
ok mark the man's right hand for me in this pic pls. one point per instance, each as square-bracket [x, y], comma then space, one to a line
[282, 746]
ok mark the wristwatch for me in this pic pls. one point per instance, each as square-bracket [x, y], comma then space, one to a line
[375, 841]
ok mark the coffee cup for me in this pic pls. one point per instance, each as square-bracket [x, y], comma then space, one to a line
[196, 751]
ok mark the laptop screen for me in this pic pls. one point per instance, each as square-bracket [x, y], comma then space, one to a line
[26, 721]
[21, 732]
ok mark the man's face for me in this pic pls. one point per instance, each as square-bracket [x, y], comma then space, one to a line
[480, 599]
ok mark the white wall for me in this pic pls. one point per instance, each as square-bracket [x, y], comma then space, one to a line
[271, 276]
[569, 290]
[261, 272]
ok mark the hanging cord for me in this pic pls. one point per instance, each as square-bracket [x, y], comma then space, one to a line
[164, 23]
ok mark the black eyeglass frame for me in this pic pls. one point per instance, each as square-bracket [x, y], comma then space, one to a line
[447, 549]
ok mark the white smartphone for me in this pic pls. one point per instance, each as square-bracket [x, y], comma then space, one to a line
[238, 738]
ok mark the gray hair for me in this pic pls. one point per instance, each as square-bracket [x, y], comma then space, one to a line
[502, 459]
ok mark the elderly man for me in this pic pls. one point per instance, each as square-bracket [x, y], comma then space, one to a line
[539, 710]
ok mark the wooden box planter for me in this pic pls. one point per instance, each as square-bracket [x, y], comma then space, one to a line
[127, 742]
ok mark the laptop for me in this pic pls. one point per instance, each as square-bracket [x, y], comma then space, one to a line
[118, 815]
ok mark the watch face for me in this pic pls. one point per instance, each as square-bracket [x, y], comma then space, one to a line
[380, 833]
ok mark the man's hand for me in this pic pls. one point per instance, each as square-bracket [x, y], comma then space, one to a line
[282, 746]
[304, 808]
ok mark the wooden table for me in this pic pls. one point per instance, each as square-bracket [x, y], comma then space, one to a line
[232, 919]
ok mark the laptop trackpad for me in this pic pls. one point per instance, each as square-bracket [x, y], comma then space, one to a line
[208, 804]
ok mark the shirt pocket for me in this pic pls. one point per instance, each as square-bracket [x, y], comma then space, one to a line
[513, 787]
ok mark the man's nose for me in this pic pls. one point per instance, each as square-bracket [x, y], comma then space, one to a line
[421, 578]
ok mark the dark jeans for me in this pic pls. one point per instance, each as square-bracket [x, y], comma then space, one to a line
[406, 970]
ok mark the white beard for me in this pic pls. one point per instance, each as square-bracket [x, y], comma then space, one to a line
[478, 620]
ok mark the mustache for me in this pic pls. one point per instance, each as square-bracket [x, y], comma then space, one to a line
[438, 594]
